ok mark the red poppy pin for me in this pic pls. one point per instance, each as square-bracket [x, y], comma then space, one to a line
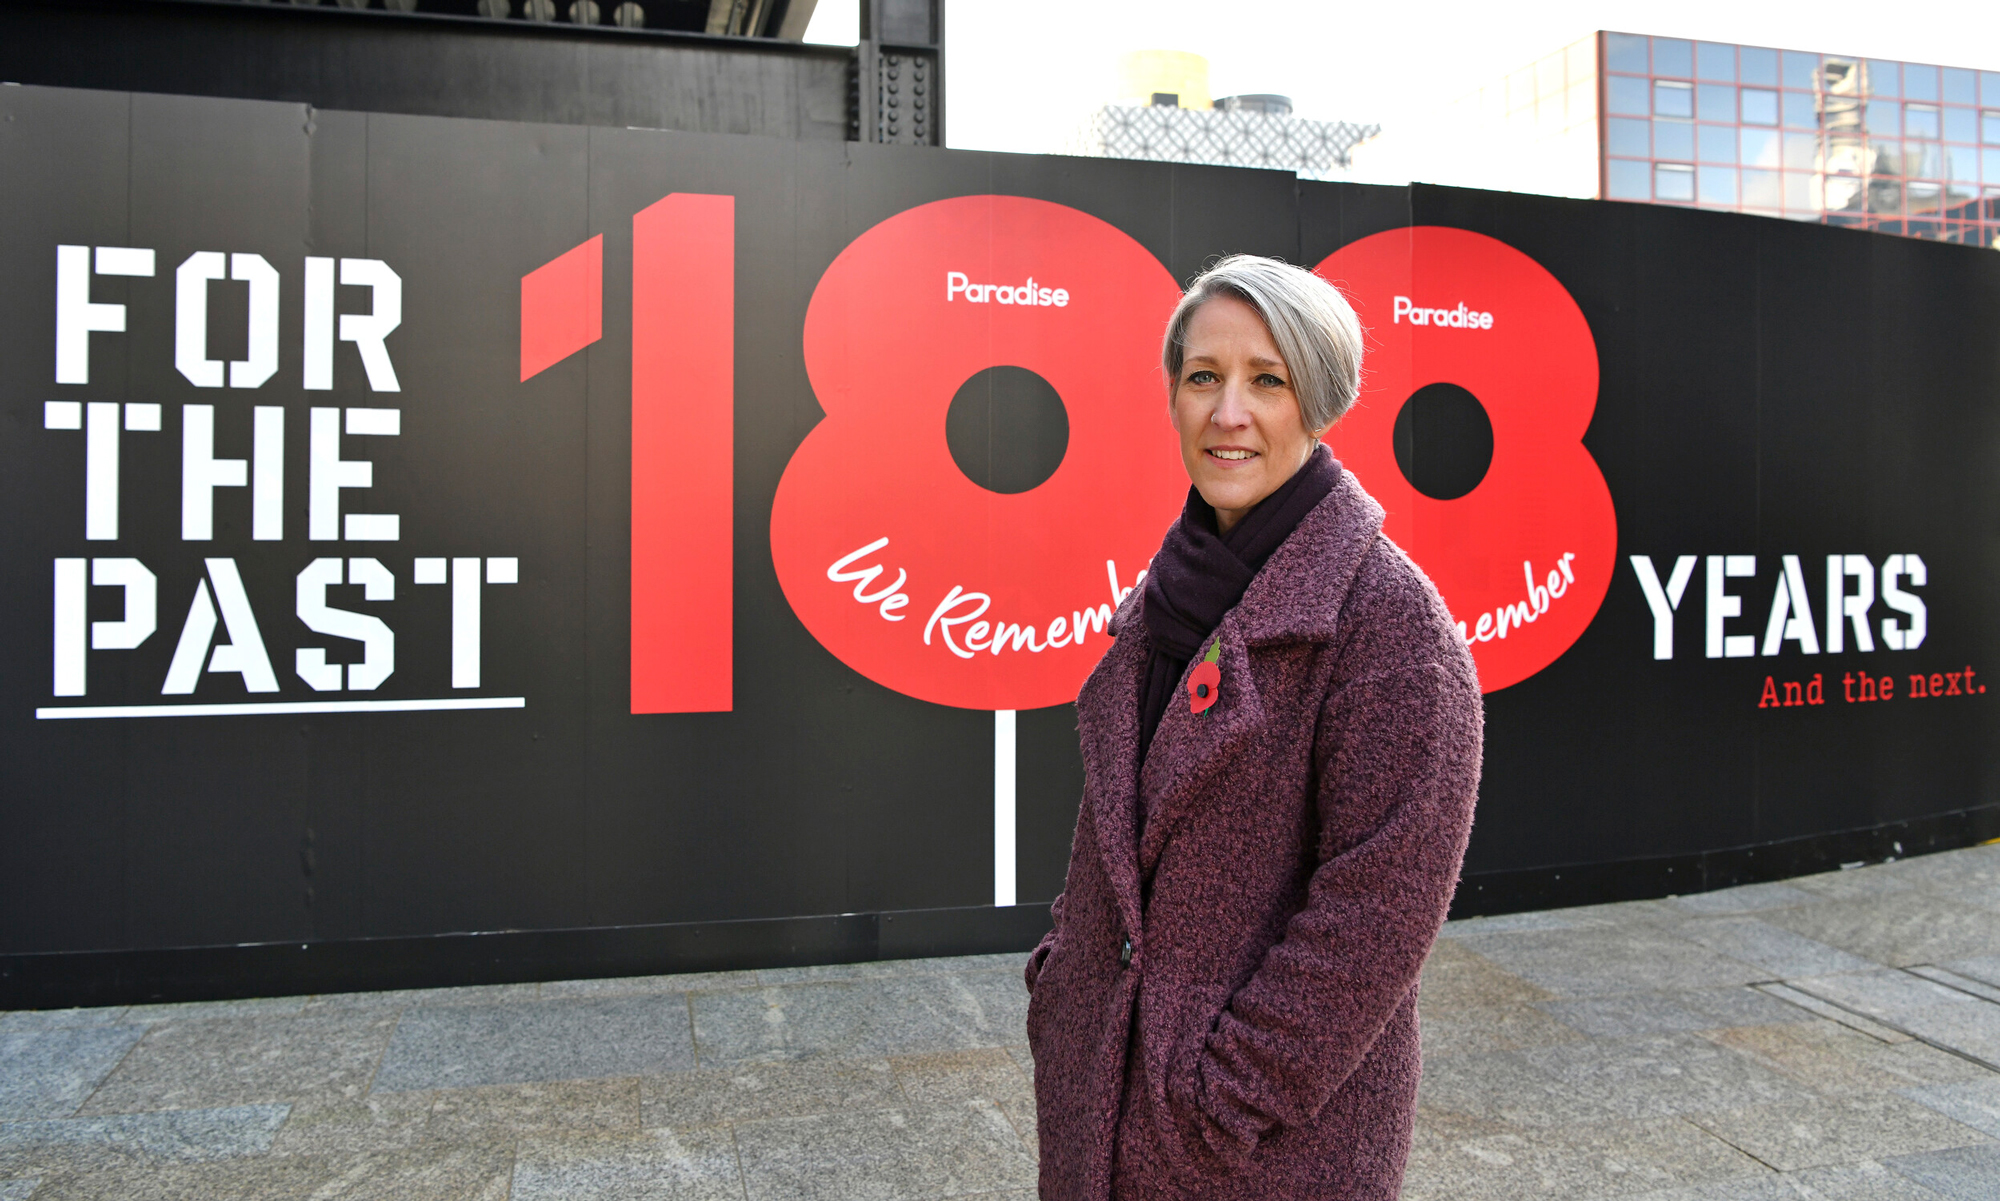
[1205, 681]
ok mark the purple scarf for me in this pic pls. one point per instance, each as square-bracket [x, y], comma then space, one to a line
[1199, 575]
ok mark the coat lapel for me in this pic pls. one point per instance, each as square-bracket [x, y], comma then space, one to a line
[1299, 594]
[1189, 748]
[1297, 597]
[1108, 728]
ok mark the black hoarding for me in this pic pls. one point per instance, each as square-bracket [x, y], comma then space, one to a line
[442, 550]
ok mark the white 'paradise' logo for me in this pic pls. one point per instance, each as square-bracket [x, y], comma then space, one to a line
[957, 284]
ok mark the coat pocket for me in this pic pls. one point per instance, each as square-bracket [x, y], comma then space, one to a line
[1041, 989]
[1191, 1130]
[1036, 958]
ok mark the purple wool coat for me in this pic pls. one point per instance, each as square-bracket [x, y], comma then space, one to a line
[1259, 1039]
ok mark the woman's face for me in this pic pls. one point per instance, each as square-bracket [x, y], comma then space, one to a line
[1241, 432]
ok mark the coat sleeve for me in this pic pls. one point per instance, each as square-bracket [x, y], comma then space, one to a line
[1395, 800]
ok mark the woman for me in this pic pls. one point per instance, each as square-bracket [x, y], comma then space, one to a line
[1281, 752]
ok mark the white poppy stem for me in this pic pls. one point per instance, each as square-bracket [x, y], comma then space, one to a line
[1003, 808]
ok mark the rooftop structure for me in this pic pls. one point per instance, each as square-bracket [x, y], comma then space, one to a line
[1165, 114]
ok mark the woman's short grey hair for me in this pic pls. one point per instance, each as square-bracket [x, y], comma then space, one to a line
[1312, 323]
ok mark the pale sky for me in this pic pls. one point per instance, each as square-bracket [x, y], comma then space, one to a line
[1022, 74]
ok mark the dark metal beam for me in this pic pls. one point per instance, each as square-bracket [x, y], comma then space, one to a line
[433, 64]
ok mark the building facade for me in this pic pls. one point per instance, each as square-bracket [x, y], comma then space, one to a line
[1906, 148]
[1899, 147]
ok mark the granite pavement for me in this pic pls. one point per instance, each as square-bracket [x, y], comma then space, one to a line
[1834, 1037]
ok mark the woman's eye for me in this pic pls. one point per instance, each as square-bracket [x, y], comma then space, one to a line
[1202, 377]
[1267, 380]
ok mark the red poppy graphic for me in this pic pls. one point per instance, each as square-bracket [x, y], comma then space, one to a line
[919, 578]
[1204, 685]
[1523, 560]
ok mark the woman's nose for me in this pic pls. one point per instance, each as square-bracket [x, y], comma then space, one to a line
[1230, 411]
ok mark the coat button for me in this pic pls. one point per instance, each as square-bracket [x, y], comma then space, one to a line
[1125, 953]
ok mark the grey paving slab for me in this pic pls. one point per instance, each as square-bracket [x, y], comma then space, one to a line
[883, 968]
[425, 1171]
[400, 999]
[1768, 1187]
[561, 1105]
[1865, 1180]
[252, 1178]
[1976, 1103]
[1862, 1181]
[239, 1060]
[1780, 952]
[750, 1091]
[1515, 923]
[1836, 1130]
[1621, 913]
[651, 1165]
[458, 1046]
[1648, 1155]
[1983, 968]
[179, 1134]
[339, 1128]
[47, 1073]
[1828, 1011]
[892, 1015]
[1581, 917]
[1835, 1061]
[1951, 979]
[1594, 961]
[883, 1155]
[1898, 929]
[1960, 1174]
[1667, 1074]
[1502, 1167]
[1456, 975]
[1629, 1014]
[208, 1010]
[1026, 1059]
[1740, 1006]
[1626, 1015]
[432, 1170]
[1003, 961]
[1856, 884]
[1919, 1062]
[1969, 877]
[1021, 1114]
[1744, 898]
[954, 1077]
[1607, 1159]
[1477, 1029]
[55, 1019]
[685, 982]
[1503, 1087]
[1929, 1010]
[1436, 1127]
[54, 1160]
